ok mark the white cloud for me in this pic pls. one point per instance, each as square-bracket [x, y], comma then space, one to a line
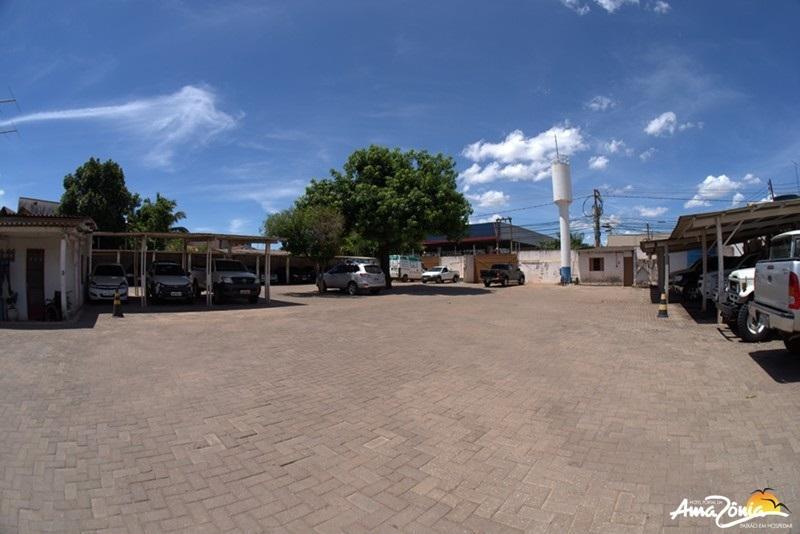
[651, 212]
[2, 192]
[647, 154]
[187, 117]
[517, 157]
[598, 163]
[236, 225]
[616, 190]
[737, 199]
[662, 125]
[715, 188]
[617, 146]
[751, 179]
[490, 218]
[667, 124]
[661, 7]
[490, 199]
[600, 103]
[582, 8]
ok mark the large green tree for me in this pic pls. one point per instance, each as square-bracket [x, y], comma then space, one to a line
[97, 189]
[157, 216]
[315, 231]
[394, 198]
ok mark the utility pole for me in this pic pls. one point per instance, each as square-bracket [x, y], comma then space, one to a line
[597, 211]
[648, 232]
[771, 191]
[497, 229]
[11, 100]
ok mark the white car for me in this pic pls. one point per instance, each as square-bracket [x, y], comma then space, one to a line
[440, 274]
[105, 280]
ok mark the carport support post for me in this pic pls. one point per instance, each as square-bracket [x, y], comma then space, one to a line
[720, 267]
[209, 282]
[62, 265]
[666, 273]
[267, 272]
[143, 269]
[287, 269]
[704, 304]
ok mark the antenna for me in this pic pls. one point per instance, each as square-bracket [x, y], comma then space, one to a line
[556, 138]
[11, 100]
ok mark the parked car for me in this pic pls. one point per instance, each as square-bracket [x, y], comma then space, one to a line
[502, 273]
[735, 307]
[106, 278]
[777, 290]
[740, 262]
[302, 275]
[229, 279]
[685, 281]
[167, 280]
[405, 268]
[353, 277]
[273, 277]
[440, 274]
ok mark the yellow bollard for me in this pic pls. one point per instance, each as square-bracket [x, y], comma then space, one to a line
[662, 307]
[117, 305]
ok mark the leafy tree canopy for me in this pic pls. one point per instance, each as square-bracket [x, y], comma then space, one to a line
[158, 216]
[97, 189]
[575, 238]
[394, 198]
[312, 230]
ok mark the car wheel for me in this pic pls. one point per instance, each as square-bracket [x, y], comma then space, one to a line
[504, 282]
[522, 280]
[323, 287]
[424, 281]
[455, 279]
[750, 330]
[352, 289]
[196, 290]
[404, 278]
[487, 284]
[438, 279]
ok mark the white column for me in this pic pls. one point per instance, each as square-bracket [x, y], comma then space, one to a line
[720, 265]
[267, 271]
[563, 223]
[704, 304]
[143, 269]
[666, 271]
[62, 266]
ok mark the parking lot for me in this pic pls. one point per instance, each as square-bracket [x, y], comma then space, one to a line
[444, 408]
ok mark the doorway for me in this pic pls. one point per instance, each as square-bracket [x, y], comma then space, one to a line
[34, 283]
[627, 271]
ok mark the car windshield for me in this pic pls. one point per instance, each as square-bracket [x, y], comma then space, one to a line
[109, 270]
[436, 269]
[373, 269]
[169, 269]
[230, 265]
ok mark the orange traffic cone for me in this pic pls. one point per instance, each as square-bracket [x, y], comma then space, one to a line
[662, 307]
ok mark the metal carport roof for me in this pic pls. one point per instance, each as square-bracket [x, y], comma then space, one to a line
[737, 224]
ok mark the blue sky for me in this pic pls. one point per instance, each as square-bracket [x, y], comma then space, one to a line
[668, 107]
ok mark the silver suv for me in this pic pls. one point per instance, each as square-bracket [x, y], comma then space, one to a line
[353, 277]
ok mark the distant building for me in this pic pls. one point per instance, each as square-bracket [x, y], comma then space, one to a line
[483, 238]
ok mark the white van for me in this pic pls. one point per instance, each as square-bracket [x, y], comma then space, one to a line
[405, 268]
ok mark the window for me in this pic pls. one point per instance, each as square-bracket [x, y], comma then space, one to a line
[780, 249]
[596, 264]
[373, 269]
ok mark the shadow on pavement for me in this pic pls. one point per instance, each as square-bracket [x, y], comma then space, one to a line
[694, 309]
[88, 315]
[779, 364]
[453, 290]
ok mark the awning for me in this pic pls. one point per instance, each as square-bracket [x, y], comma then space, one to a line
[738, 225]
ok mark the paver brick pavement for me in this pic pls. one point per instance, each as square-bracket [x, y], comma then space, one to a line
[431, 409]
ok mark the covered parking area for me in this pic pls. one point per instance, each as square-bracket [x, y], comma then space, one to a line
[705, 231]
[192, 246]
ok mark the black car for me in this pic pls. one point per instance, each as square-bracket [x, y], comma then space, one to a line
[302, 275]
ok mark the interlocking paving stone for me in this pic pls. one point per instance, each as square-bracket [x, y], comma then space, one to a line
[429, 409]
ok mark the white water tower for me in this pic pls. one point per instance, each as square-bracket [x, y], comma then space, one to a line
[562, 196]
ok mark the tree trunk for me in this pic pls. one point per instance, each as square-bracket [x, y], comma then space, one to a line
[383, 257]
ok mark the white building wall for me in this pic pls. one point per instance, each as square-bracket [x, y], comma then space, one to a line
[52, 275]
[464, 265]
[542, 266]
[613, 267]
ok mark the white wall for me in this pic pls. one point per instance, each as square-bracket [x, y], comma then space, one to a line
[543, 266]
[52, 276]
[464, 265]
[613, 267]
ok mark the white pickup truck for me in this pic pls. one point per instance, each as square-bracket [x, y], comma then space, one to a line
[229, 279]
[735, 306]
[777, 289]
